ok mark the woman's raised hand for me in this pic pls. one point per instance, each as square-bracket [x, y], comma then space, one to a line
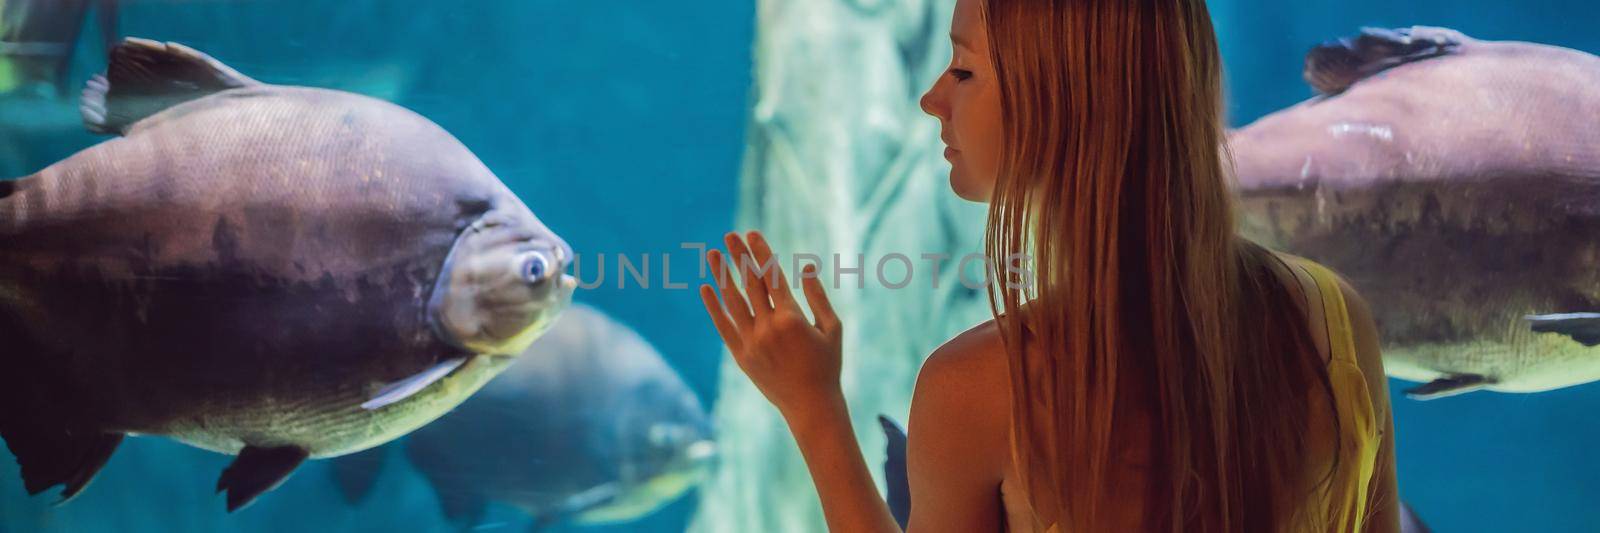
[793, 361]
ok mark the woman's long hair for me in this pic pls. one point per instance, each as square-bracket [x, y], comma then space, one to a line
[1144, 303]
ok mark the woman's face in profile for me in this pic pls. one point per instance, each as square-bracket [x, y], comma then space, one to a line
[966, 100]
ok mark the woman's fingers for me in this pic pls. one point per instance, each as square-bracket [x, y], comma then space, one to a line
[725, 327]
[776, 282]
[753, 284]
[821, 309]
[738, 311]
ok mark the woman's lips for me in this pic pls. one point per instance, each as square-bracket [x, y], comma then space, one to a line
[948, 151]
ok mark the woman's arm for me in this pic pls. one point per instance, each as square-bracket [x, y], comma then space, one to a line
[959, 417]
[796, 363]
[959, 413]
[850, 500]
[1383, 497]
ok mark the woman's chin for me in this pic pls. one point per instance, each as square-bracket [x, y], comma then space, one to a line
[966, 189]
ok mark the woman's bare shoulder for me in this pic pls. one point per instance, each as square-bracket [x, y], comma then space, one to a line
[958, 450]
[963, 397]
[973, 361]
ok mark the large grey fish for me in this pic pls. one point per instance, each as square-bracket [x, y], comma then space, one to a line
[590, 425]
[276, 272]
[1456, 183]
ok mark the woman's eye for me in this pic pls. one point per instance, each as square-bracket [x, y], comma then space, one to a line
[960, 75]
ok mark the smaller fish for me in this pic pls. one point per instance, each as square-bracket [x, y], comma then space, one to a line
[592, 427]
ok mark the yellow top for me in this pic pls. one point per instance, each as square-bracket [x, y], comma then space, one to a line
[1345, 505]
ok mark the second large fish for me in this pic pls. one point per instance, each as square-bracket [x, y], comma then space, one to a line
[1456, 183]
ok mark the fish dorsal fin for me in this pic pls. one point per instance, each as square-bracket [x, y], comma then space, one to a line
[1334, 66]
[145, 77]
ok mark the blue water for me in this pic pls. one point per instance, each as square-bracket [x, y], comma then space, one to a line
[621, 124]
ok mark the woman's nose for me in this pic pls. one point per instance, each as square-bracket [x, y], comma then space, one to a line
[933, 101]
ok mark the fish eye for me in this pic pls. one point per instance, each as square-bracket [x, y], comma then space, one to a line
[535, 266]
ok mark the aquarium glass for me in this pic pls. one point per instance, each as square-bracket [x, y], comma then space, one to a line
[640, 132]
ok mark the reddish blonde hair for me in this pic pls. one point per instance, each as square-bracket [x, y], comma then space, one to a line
[1147, 310]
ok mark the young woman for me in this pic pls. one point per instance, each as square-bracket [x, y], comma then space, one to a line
[1160, 373]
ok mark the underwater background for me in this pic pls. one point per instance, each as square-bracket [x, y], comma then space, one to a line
[635, 127]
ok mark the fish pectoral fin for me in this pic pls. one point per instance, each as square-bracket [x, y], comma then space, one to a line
[1334, 66]
[405, 388]
[256, 471]
[1582, 327]
[586, 505]
[1447, 386]
[145, 77]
